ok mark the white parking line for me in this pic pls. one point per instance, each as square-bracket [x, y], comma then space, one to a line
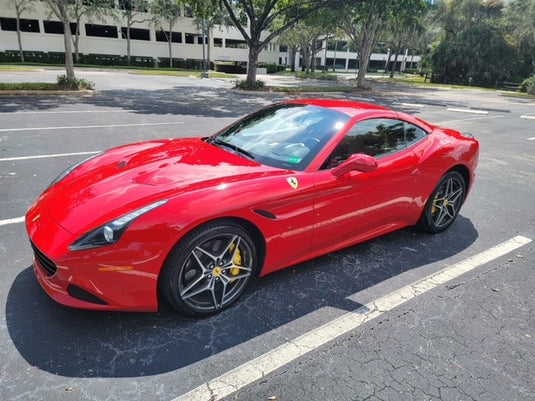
[467, 110]
[466, 119]
[67, 112]
[528, 116]
[413, 105]
[86, 127]
[258, 368]
[10, 159]
[11, 221]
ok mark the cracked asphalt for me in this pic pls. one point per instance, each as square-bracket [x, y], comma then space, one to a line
[469, 339]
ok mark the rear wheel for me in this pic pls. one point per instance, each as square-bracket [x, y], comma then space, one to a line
[444, 203]
[209, 269]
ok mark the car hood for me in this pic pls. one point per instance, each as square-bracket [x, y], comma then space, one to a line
[129, 177]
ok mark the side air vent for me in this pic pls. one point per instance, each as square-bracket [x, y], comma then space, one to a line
[265, 213]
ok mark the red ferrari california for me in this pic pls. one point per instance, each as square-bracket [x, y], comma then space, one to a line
[196, 220]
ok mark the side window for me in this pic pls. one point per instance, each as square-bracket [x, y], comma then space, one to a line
[413, 134]
[375, 137]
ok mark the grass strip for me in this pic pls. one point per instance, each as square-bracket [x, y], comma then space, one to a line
[28, 86]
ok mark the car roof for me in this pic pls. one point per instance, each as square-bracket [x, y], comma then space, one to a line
[343, 106]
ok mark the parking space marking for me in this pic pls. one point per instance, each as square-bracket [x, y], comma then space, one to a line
[412, 105]
[11, 221]
[67, 112]
[87, 126]
[472, 111]
[10, 159]
[532, 138]
[528, 116]
[258, 368]
[466, 119]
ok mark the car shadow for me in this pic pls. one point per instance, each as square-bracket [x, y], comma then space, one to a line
[78, 343]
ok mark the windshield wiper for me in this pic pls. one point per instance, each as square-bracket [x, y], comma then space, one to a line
[235, 148]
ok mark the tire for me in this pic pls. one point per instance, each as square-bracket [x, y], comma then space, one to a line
[444, 204]
[209, 269]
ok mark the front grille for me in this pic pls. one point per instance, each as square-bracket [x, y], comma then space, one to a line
[47, 264]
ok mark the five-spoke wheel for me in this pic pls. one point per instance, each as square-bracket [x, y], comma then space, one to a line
[209, 269]
[444, 203]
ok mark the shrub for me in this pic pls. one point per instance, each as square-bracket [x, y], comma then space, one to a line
[257, 85]
[75, 84]
[272, 68]
[528, 85]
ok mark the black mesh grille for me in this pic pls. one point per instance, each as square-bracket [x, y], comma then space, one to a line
[45, 262]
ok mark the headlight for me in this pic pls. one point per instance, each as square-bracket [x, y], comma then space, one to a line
[110, 233]
[70, 169]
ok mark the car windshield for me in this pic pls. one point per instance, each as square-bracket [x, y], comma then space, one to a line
[285, 136]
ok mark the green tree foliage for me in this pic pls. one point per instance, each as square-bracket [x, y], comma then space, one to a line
[132, 12]
[362, 23]
[165, 13]
[474, 45]
[207, 15]
[519, 20]
[78, 9]
[59, 8]
[308, 34]
[405, 27]
[267, 19]
[20, 7]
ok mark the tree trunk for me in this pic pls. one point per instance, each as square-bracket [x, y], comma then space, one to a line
[208, 48]
[76, 40]
[366, 48]
[19, 38]
[67, 40]
[292, 50]
[169, 43]
[387, 65]
[128, 45]
[394, 64]
[254, 51]
[364, 61]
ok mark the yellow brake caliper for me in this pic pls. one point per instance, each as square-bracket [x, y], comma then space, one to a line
[434, 208]
[237, 261]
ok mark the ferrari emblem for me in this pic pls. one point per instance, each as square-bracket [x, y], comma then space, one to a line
[293, 182]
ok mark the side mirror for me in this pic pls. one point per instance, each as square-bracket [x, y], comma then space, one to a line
[356, 162]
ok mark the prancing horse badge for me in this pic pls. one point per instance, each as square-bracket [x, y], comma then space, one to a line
[293, 182]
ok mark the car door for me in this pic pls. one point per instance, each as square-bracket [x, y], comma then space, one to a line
[360, 205]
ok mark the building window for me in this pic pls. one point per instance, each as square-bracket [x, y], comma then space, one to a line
[218, 42]
[235, 44]
[103, 31]
[188, 12]
[57, 27]
[190, 38]
[283, 49]
[131, 5]
[136, 33]
[26, 25]
[199, 40]
[162, 36]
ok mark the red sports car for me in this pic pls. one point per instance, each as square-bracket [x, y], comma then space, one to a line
[195, 220]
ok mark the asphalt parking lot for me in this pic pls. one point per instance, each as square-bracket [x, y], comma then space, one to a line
[352, 325]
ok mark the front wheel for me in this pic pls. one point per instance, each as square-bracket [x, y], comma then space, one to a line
[209, 269]
[444, 203]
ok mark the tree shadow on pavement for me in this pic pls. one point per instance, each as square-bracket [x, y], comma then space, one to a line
[202, 102]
